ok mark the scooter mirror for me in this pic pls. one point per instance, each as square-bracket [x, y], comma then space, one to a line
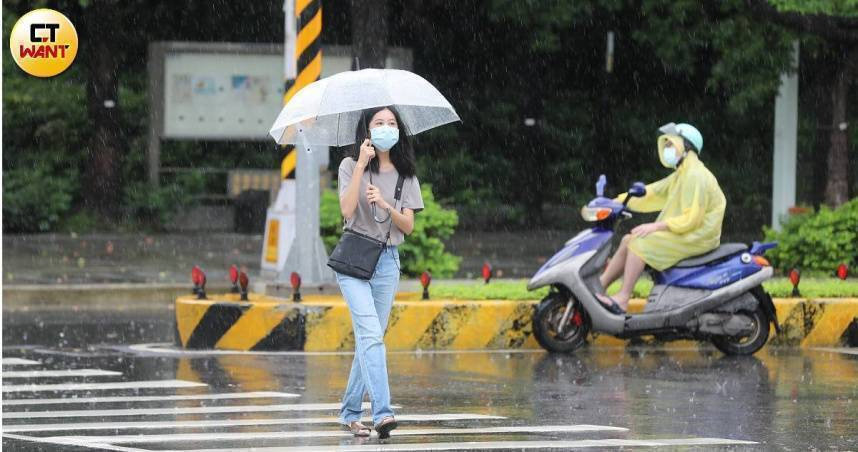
[638, 190]
[600, 185]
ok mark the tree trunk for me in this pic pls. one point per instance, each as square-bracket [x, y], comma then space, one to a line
[837, 185]
[369, 32]
[822, 110]
[101, 186]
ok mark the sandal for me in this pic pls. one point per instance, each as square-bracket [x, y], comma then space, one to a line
[614, 307]
[358, 429]
[385, 426]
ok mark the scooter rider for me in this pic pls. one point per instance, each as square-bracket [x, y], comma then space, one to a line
[692, 209]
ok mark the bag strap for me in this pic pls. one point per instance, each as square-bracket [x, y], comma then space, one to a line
[397, 194]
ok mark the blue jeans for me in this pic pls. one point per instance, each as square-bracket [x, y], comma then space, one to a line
[370, 303]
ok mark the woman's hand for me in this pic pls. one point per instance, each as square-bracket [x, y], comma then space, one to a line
[373, 195]
[648, 228]
[367, 153]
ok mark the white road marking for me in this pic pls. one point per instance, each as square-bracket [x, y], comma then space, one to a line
[229, 423]
[248, 436]
[177, 410]
[515, 445]
[169, 349]
[103, 386]
[239, 395]
[60, 373]
[19, 362]
[36, 439]
[846, 351]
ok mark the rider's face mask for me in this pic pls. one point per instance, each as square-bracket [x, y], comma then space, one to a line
[670, 150]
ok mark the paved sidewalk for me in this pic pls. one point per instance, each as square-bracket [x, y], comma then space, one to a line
[125, 258]
[168, 258]
[103, 271]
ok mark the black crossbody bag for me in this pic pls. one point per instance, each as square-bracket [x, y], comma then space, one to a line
[357, 254]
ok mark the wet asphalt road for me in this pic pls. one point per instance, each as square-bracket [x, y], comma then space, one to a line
[781, 399]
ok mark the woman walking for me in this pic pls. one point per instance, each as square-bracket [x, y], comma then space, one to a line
[379, 195]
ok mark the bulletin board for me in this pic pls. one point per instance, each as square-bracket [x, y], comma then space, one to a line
[221, 95]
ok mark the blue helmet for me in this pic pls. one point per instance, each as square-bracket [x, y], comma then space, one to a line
[686, 131]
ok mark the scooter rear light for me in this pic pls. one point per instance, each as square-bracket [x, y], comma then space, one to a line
[595, 213]
[761, 261]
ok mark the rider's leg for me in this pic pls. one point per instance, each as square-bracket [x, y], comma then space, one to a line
[615, 266]
[634, 268]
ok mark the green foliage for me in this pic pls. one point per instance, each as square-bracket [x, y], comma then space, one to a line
[817, 242]
[422, 250]
[845, 8]
[330, 219]
[34, 200]
[154, 208]
[517, 290]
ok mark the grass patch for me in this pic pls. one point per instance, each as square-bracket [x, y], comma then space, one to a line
[818, 287]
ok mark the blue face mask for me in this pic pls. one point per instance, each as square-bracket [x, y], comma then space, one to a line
[384, 137]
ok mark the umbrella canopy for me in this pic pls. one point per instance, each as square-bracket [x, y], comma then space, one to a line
[326, 112]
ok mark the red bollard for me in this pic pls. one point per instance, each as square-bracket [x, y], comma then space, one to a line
[295, 279]
[243, 282]
[233, 278]
[196, 279]
[425, 280]
[795, 278]
[487, 272]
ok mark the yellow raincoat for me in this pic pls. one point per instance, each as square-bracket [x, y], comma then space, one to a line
[691, 204]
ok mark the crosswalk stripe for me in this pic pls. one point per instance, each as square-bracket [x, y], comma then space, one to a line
[91, 445]
[21, 428]
[487, 445]
[19, 362]
[239, 395]
[103, 386]
[246, 436]
[177, 410]
[60, 373]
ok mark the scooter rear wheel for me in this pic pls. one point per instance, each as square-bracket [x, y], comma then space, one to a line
[750, 344]
[546, 321]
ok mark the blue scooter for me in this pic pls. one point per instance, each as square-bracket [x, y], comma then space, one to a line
[717, 296]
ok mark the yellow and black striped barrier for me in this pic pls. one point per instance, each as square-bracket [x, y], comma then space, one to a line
[227, 323]
[323, 323]
[308, 53]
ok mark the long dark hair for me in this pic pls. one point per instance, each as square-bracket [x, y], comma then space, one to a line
[401, 154]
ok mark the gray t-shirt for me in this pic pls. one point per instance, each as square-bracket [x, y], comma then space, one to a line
[362, 221]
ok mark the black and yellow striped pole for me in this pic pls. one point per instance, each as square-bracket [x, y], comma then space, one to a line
[308, 58]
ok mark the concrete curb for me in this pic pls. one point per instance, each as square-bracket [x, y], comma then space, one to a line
[21, 297]
[323, 323]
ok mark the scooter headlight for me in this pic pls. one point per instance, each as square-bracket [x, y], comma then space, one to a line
[595, 213]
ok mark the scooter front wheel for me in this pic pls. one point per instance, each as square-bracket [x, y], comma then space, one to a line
[546, 324]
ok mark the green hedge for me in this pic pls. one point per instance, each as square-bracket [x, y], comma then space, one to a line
[422, 250]
[817, 242]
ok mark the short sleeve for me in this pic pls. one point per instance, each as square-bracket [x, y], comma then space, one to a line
[347, 168]
[412, 198]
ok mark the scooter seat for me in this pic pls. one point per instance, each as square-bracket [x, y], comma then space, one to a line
[725, 250]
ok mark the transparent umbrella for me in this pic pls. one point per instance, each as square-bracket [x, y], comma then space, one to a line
[326, 112]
